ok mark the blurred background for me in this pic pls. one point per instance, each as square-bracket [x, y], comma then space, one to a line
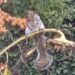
[59, 14]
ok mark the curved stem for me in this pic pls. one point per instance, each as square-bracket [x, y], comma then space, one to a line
[31, 35]
[7, 57]
[0, 72]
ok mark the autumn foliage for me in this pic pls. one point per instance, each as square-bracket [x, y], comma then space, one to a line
[3, 1]
[15, 21]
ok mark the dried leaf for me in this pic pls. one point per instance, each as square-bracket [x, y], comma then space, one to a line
[7, 71]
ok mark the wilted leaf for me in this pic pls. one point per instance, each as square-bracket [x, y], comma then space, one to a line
[7, 71]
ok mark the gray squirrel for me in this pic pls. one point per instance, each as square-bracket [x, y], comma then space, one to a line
[34, 23]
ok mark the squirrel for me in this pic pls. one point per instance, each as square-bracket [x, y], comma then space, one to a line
[34, 23]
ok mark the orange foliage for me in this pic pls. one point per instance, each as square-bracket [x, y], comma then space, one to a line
[3, 1]
[21, 22]
[15, 21]
[2, 66]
